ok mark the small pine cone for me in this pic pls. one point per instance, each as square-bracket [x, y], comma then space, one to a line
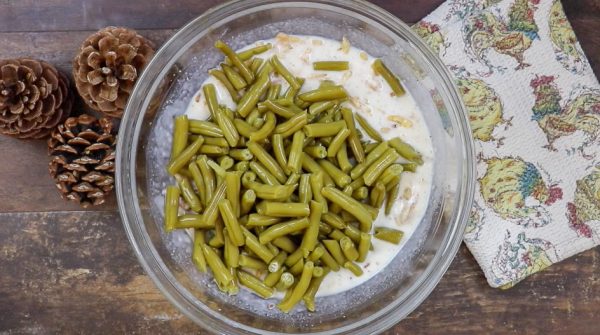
[34, 98]
[107, 66]
[82, 161]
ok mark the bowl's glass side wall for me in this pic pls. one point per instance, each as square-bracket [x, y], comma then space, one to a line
[182, 68]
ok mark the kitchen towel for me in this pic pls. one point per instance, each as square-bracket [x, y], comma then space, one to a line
[533, 103]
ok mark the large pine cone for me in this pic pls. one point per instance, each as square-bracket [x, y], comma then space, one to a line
[83, 159]
[34, 98]
[107, 66]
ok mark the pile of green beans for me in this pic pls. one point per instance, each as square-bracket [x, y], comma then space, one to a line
[284, 189]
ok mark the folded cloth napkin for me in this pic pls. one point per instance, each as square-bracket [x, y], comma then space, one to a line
[534, 107]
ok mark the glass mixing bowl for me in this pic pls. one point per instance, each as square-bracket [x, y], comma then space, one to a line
[170, 81]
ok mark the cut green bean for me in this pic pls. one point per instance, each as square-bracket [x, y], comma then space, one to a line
[392, 195]
[342, 159]
[263, 174]
[231, 223]
[296, 269]
[379, 165]
[250, 262]
[336, 234]
[321, 106]
[279, 151]
[406, 150]
[331, 66]
[316, 151]
[359, 169]
[351, 205]
[353, 139]
[212, 209]
[277, 262]
[323, 129]
[208, 176]
[316, 184]
[185, 156]
[199, 181]
[192, 221]
[255, 285]
[217, 141]
[285, 281]
[226, 124]
[233, 187]
[279, 109]
[247, 201]
[293, 178]
[285, 243]
[285, 73]
[222, 276]
[311, 292]
[304, 189]
[377, 195]
[348, 249]
[388, 234]
[213, 150]
[338, 176]
[410, 167]
[337, 142]
[273, 92]
[272, 192]
[197, 255]
[282, 229]
[309, 241]
[354, 268]
[381, 69]
[255, 220]
[260, 250]
[363, 246]
[333, 220]
[292, 125]
[244, 128]
[310, 165]
[252, 95]
[335, 250]
[205, 128]
[248, 53]
[231, 254]
[364, 124]
[221, 77]
[370, 146]
[219, 171]
[294, 162]
[283, 209]
[322, 94]
[236, 61]
[272, 278]
[234, 78]
[171, 207]
[317, 253]
[180, 135]
[390, 173]
[188, 194]
[299, 289]
[267, 160]
[353, 233]
[361, 193]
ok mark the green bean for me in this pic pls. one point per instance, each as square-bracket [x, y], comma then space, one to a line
[272, 192]
[317, 253]
[330, 66]
[333, 220]
[277, 262]
[410, 167]
[390, 173]
[338, 176]
[336, 234]
[188, 194]
[292, 125]
[236, 61]
[316, 184]
[321, 106]
[267, 160]
[272, 278]
[326, 93]
[370, 146]
[327, 259]
[363, 246]
[354, 268]
[283, 209]
[264, 175]
[180, 135]
[359, 169]
[258, 123]
[171, 207]
[278, 109]
[393, 81]
[392, 195]
[256, 65]
[247, 177]
[233, 182]
[252, 95]
[312, 166]
[213, 150]
[218, 239]
[208, 177]
[357, 183]
[348, 249]
[293, 178]
[266, 129]
[205, 128]
[285, 281]
[225, 162]
[376, 168]
[247, 201]
[282, 229]
[226, 124]
[291, 92]
[260, 250]
[364, 124]
[220, 75]
[349, 204]
[342, 159]
[279, 151]
[285, 73]
[337, 142]
[217, 141]
[296, 269]
[212, 209]
[316, 151]
[304, 189]
[299, 289]
[353, 139]
[197, 255]
[231, 253]
[273, 92]
[388, 234]
[244, 128]
[324, 228]
[255, 285]
[323, 129]
[250, 262]
[309, 241]
[234, 78]
[294, 162]
[406, 150]
[353, 233]
[231, 222]
[285, 243]
[199, 181]
[192, 221]
[219, 171]
[222, 276]
[309, 295]
[334, 249]
[185, 156]
[318, 272]
[377, 195]
[241, 166]
[361, 193]
[255, 220]
[241, 154]
[248, 53]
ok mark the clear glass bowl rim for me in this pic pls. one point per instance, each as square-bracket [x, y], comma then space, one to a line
[126, 184]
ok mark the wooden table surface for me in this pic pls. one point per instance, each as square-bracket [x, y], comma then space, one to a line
[65, 270]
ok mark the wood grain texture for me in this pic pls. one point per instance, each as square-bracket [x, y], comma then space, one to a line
[68, 271]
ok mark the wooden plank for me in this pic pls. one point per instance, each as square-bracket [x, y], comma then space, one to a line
[75, 273]
[63, 15]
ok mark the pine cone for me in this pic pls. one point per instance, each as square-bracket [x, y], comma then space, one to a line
[82, 162]
[107, 66]
[34, 98]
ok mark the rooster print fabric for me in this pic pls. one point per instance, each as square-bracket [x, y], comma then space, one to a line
[533, 103]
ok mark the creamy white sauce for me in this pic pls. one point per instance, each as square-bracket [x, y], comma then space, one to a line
[372, 98]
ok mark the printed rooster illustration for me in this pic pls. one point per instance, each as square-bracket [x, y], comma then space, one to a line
[580, 112]
[487, 31]
[510, 186]
[585, 207]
